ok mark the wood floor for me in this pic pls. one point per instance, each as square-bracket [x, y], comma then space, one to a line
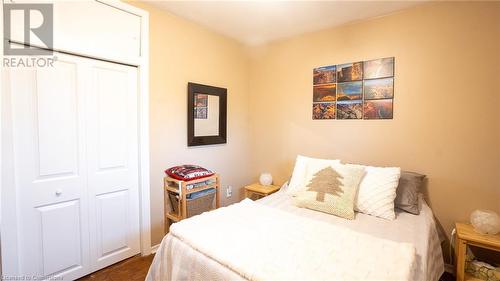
[136, 268]
[132, 269]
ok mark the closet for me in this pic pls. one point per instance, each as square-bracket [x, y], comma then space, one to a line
[78, 159]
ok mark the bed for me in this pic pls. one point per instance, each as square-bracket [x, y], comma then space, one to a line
[235, 251]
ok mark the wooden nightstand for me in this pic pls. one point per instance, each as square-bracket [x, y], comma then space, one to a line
[466, 235]
[260, 190]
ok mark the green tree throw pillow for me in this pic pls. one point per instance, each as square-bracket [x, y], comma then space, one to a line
[330, 189]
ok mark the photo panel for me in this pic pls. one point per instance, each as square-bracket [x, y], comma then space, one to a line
[350, 91]
[379, 89]
[379, 68]
[350, 109]
[324, 110]
[378, 109]
[324, 93]
[324, 75]
[358, 90]
[350, 72]
[201, 113]
[200, 100]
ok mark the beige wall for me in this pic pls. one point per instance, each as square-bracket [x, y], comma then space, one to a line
[446, 109]
[182, 52]
[447, 102]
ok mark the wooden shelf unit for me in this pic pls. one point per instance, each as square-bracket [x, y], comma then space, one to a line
[466, 235]
[180, 187]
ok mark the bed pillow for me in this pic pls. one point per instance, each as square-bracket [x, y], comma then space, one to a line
[284, 186]
[330, 189]
[297, 181]
[410, 185]
[377, 191]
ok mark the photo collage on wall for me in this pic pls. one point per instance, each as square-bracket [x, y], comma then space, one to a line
[200, 106]
[359, 90]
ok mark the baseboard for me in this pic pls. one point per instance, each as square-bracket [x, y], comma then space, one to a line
[154, 248]
[449, 268]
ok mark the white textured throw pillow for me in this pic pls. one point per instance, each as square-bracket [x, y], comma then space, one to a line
[298, 179]
[331, 189]
[377, 191]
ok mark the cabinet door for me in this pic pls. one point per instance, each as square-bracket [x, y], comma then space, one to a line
[112, 149]
[50, 168]
[88, 28]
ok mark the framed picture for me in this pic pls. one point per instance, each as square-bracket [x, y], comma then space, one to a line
[379, 68]
[324, 110]
[350, 72]
[379, 89]
[324, 75]
[378, 109]
[206, 124]
[324, 93]
[350, 109]
[350, 91]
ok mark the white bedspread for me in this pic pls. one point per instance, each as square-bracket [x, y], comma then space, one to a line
[177, 260]
[256, 242]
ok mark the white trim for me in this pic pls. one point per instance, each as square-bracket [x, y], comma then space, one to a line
[125, 7]
[8, 192]
[144, 137]
[154, 248]
[1, 128]
[8, 238]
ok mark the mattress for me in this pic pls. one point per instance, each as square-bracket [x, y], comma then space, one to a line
[176, 260]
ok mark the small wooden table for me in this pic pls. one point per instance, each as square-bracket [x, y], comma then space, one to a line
[260, 190]
[466, 235]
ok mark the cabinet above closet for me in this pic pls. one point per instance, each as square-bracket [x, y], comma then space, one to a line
[88, 28]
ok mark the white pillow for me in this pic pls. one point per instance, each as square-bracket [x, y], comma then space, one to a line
[298, 179]
[377, 191]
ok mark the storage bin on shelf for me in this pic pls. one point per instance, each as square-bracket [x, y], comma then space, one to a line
[197, 202]
[189, 198]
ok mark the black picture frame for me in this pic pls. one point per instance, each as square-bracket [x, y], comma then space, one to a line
[194, 88]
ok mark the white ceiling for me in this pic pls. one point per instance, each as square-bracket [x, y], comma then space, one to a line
[258, 22]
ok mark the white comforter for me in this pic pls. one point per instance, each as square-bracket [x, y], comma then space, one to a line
[262, 243]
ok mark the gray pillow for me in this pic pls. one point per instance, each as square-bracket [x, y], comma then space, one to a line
[410, 185]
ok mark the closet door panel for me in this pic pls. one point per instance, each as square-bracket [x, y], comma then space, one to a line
[57, 129]
[61, 232]
[112, 227]
[49, 157]
[113, 162]
[112, 122]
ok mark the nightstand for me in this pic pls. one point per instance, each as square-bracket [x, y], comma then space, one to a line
[260, 190]
[466, 235]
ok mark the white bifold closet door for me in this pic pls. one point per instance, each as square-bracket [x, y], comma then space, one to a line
[76, 163]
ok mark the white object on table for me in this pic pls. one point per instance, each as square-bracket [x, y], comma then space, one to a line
[485, 221]
[266, 179]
